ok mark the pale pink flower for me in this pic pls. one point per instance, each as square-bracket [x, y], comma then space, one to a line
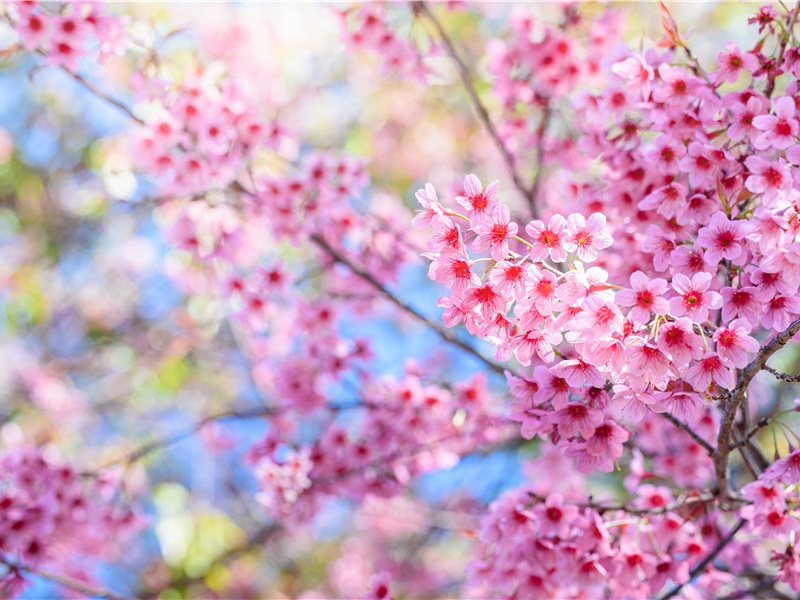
[780, 312]
[767, 177]
[693, 299]
[430, 207]
[731, 62]
[778, 130]
[710, 369]
[678, 340]
[740, 302]
[722, 238]
[510, 279]
[555, 517]
[644, 297]
[478, 201]
[536, 340]
[607, 440]
[548, 241]
[494, 233]
[586, 236]
[733, 343]
[743, 115]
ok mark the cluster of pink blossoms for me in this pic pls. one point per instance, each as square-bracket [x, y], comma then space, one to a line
[705, 262]
[50, 515]
[407, 429]
[64, 37]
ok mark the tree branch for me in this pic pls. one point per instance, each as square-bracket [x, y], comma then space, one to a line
[69, 582]
[782, 376]
[441, 331]
[706, 561]
[477, 105]
[737, 397]
[693, 434]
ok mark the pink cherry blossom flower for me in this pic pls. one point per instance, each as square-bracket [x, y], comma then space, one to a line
[731, 62]
[722, 238]
[33, 29]
[644, 297]
[710, 369]
[767, 177]
[743, 115]
[577, 418]
[607, 439]
[786, 470]
[630, 406]
[586, 236]
[636, 72]
[660, 244]
[430, 206]
[779, 130]
[478, 201]
[547, 241]
[510, 279]
[740, 302]
[485, 297]
[780, 312]
[765, 497]
[669, 200]
[733, 343]
[536, 340]
[647, 362]
[451, 269]
[554, 516]
[495, 232]
[577, 373]
[542, 291]
[456, 313]
[665, 155]
[447, 235]
[678, 340]
[693, 296]
[682, 404]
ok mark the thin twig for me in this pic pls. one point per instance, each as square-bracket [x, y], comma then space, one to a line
[692, 433]
[782, 376]
[69, 582]
[706, 561]
[173, 439]
[441, 331]
[98, 92]
[477, 105]
[632, 510]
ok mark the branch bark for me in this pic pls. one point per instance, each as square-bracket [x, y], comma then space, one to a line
[441, 331]
[739, 393]
[706, 561]
[480, 109]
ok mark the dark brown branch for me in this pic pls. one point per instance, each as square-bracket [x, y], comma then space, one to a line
[73, 584]
[737, 397]
[632, 510]
[477, 105]
[693, 434]
[706, 561]
[173, 439]
[441, 331]
[782, 376]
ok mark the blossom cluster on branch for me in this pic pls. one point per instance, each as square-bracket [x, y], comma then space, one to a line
[633, 268]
